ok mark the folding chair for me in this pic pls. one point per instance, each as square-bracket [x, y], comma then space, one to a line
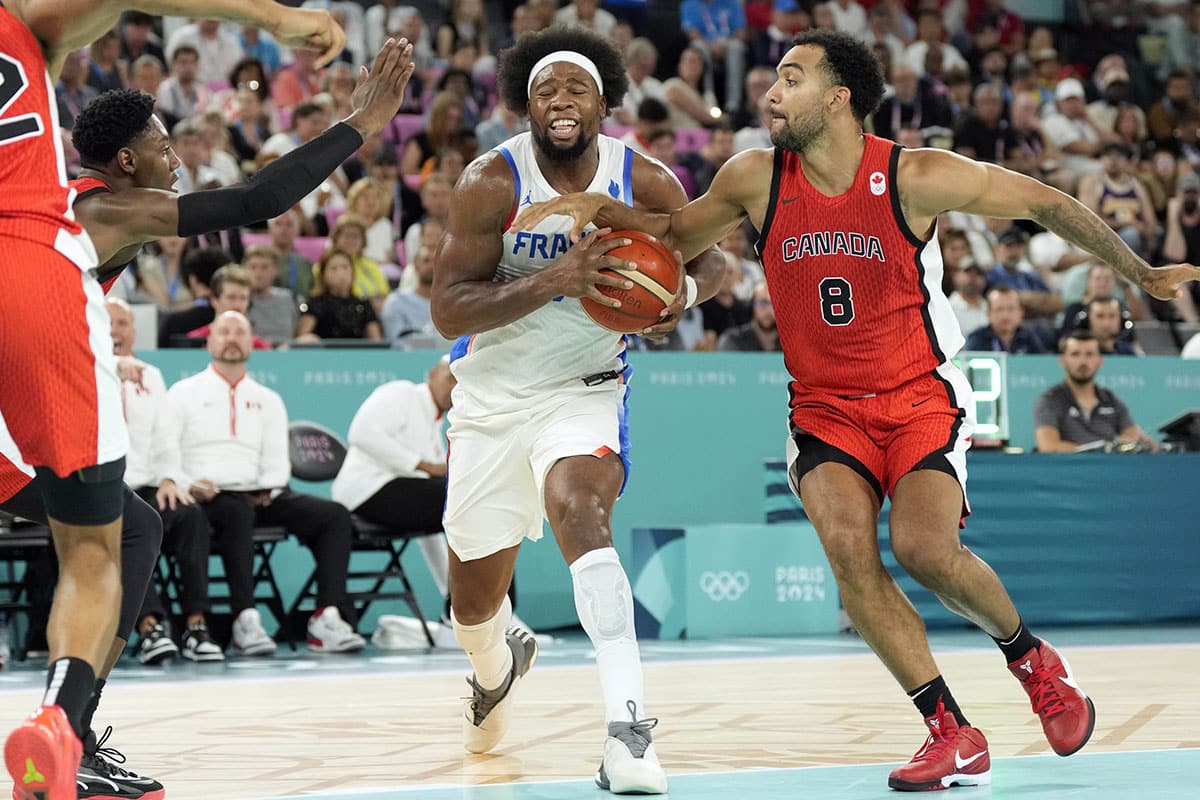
[266, 588]
[317, 454]
[20, 542]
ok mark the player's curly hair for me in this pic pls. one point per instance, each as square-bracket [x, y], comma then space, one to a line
[512, 74]
[850, 63]
[111, 121]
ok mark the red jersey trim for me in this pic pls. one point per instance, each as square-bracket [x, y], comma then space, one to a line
[86, 187]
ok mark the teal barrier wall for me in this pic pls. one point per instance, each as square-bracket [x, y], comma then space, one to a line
[701, 426]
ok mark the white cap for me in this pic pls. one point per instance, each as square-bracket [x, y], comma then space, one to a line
[1068, 87]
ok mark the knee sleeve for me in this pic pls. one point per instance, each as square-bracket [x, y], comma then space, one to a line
[141, 538]
[481, 637]
[603, 598]
[90, 496]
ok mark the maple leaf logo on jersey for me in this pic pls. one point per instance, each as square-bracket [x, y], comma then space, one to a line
[878, 183]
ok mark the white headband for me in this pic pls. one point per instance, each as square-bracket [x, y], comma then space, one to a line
[571, 57]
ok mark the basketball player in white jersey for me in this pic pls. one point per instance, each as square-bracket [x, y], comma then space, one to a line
[538, 424]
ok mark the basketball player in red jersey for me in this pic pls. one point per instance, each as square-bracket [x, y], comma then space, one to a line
[850, 251]
[60, 390]
[123, 199]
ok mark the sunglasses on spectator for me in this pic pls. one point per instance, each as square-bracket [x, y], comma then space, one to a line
[251, 85]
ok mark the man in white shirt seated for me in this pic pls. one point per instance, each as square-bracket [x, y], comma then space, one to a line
[186, 531]
[395, 469]
[227, 442]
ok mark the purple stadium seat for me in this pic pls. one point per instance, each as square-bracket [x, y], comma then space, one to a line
[401, 129]
[311, 247]
[690, 140]
[251, 239]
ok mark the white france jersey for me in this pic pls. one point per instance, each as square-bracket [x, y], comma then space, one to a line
[557, 345]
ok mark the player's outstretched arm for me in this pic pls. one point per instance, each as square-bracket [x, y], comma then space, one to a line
[63, 25]
[466, 299]
[135, 215]
[740, 187]
[933, 181]
[657, 189]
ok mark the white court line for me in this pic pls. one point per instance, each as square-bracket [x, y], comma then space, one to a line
[545, 666]
[443, 786]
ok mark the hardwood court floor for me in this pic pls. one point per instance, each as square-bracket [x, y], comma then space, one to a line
[762, 718]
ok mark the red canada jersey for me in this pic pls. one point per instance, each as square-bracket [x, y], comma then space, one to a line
[35, 201]
[857, 295]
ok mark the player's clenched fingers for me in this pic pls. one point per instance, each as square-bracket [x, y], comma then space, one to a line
[611, 243]
[612, 262]
[329, 42]
[602, 298]
[613, 280]
[530, 216]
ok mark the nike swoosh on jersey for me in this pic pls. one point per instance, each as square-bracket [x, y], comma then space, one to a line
[960, 762]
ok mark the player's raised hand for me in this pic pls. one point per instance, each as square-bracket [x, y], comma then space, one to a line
[310, 29]
[579, 271]
[380, 91]
[580, 206]
[672, 314]
[1166, 283]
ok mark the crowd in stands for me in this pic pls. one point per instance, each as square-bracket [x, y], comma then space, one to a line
[1102, 107]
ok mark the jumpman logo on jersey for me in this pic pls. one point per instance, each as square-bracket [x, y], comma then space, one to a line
[614, 188]
[528, 201]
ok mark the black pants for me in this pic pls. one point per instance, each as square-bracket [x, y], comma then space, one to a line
[323, 526]
[409, 505]
[141, 536]
[414, 505]
[188, 537]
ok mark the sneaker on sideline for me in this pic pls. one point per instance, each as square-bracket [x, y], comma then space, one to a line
[198, 644]
[156, 646]
[488, 712]
[630, 765]
[951, 756]
[329, 633]
[250, 637]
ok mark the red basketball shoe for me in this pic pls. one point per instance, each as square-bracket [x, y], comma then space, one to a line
[1068, 715]
[42, 755]
[952, 755]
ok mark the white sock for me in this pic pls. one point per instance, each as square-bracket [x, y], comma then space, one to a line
[604, 602]
[437, 556]
[490, 655]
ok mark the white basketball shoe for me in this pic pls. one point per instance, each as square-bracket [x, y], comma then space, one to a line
[488, 712]
[630, 765]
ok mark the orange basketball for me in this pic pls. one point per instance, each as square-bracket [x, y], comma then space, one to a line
[655, 284]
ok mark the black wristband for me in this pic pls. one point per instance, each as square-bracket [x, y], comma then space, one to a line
[273, 189]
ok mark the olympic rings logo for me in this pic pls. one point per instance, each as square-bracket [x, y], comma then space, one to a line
[724, 585]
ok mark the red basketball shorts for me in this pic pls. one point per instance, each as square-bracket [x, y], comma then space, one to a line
[59, 391]
[924, 424]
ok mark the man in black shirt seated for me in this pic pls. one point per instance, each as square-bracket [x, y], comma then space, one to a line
[1078, 412]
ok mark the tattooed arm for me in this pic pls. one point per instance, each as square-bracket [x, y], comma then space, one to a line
[933, 181]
